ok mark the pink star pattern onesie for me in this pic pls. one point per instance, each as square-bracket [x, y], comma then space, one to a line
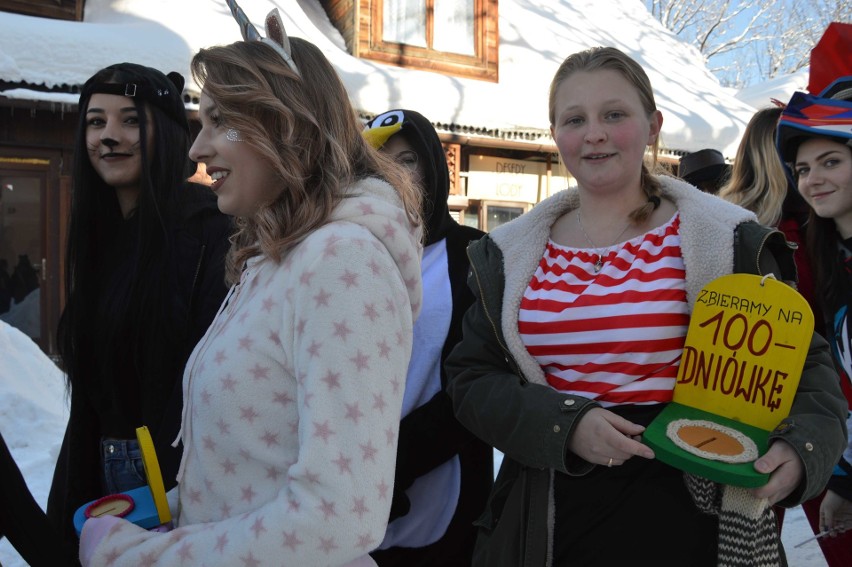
[292, 402]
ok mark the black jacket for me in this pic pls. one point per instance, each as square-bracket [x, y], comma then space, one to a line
[431, 435]
[24, 523]
[200, 245]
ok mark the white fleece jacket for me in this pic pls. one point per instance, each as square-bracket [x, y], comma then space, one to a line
[707, 226]
[292, 402]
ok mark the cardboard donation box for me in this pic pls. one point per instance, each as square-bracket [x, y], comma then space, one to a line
[145, 506]
[745, 349]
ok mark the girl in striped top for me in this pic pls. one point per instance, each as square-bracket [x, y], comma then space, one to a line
[615, 333]
[573, 344]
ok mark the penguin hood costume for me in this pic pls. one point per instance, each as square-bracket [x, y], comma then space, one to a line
[443, 473]
[421, 135]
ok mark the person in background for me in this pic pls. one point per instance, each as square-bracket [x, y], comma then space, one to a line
[24, 279]
[815, 138]
[292, 398]
[5, 286]
[24, 523]
[145, 275]
[574, 342]
[760, 183]
[706, 169]
[443, 473]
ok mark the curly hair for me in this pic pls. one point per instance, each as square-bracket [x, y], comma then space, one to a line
[305, 128]
[600, 58]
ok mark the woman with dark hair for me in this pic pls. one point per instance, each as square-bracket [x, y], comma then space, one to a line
[144, 278]
[815, 138]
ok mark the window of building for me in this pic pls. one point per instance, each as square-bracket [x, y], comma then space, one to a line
[405, 22]
[56, 9]
[497, 213]
[487, 215]
[457, 37]
[470, 216]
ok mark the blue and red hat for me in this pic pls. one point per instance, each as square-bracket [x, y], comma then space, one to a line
[828, 115]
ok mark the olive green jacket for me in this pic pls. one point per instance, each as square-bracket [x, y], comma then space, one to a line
[499, 391]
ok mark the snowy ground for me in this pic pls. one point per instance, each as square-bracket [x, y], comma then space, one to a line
[33, 415]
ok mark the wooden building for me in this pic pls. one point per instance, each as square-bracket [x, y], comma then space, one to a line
[478, 69]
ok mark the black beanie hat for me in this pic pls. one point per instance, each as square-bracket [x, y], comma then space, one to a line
[143, 83]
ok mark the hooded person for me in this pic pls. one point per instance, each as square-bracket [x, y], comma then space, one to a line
[443, 473]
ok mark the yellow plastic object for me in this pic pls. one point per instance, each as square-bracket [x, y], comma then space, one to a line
[152, 472]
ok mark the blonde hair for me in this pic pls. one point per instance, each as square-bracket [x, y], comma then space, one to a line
[305, 128]
[758, 181]
[600, 58]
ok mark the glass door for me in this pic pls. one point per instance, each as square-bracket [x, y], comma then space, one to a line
[21, 252]
[29, 247]
[495, 213]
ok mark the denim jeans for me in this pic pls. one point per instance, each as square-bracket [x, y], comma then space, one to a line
[122, 465]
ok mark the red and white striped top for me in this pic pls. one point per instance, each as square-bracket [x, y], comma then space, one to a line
[615, 336]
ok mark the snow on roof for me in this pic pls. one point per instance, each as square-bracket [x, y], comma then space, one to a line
[780, 88]
[535, 37]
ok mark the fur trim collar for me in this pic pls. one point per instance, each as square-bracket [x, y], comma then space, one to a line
[707, 226]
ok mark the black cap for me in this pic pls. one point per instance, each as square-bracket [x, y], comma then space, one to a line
[140, 82]
[703, 165]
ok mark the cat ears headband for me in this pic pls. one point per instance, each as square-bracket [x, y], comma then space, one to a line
[276, 36]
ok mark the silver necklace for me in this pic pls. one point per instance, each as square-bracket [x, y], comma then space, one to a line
[600, 255]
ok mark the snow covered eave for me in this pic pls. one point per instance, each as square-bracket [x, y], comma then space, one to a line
[779, 88]
[40, 51]
[533, 41]
[505, 142]
[29, 95]
[525, 139]
[30, 100]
